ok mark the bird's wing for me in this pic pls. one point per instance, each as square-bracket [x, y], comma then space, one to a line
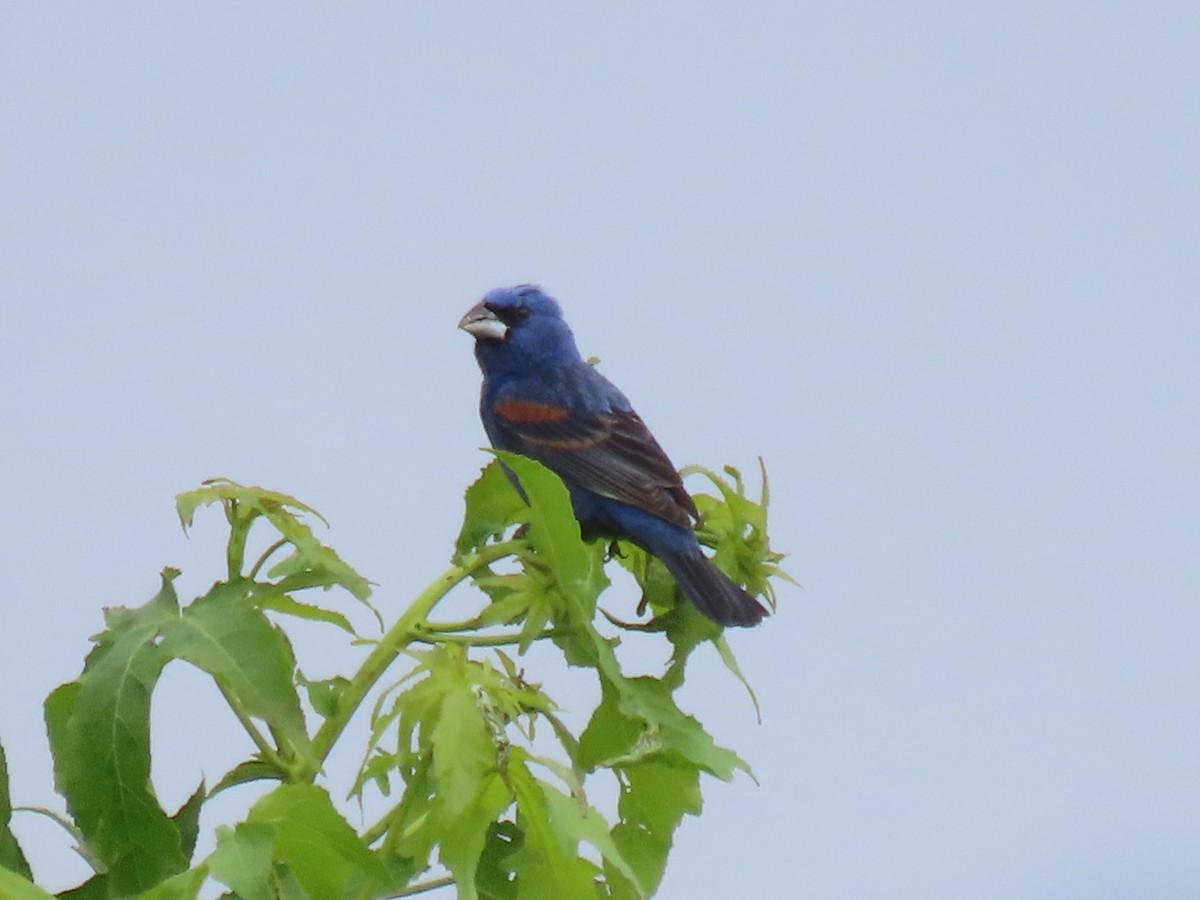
[610, 452]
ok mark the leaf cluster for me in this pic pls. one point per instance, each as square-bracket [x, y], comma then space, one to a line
[473, 796]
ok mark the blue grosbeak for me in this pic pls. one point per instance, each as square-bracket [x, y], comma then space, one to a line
[542, 400]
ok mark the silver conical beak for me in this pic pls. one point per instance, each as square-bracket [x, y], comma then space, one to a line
[482, 323]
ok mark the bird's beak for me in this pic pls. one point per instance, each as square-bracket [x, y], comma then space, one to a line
[482, 323]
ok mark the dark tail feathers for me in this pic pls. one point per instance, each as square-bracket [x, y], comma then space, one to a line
[712, 592]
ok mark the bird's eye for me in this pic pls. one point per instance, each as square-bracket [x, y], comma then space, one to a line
[521, 313]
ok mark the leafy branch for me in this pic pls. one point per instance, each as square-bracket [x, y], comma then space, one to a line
[454, 738]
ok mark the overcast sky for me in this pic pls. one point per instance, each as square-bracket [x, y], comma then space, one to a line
[938, 266]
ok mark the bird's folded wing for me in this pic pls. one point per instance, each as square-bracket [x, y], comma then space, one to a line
[611, 453]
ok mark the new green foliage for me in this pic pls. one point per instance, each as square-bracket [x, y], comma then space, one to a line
[484, 778]
[11, 857]
[100, 735]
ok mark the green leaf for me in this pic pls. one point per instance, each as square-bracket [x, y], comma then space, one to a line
[100, 737]
[326, 695]
[288, 887]
[686, 629]
[547, 865]
[576, 822]
[655, 796]
[323, 853]
[736, 527]
[554, 534]
[17, 887]
[240, 500]
[463, 838]
[638, 718]
[266, 597]
[493, 504]
[669, 728]
[684, 626]
[450, 736]
[463, 749]
[610, 733]
[658, 793]
[184, 886]
[11, 857]
[225, 636]
[187, 820]
[412, 829]
[57, 709]
[243, 859]
[311, 564]
[494, 874]
[659, 589]
[731, 663]
[95, 888]
[245, 772]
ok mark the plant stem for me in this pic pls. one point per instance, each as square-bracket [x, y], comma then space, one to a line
[235, 550]
[444, 881]
[266, 555]
[380, 828]
[464, 625]
[478, 640]
[406, 629]
[269, 754]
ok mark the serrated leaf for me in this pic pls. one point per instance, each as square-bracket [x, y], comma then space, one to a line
[243, 773]
[731, 663]
[610, 733]
[315, 565]
[554, 534]
[311, 563]
[579, 823]
[658, 793]
[287, 605]
[655, 796]
[492, 505]
[57, 709]
[736, 527]
[672, 729]
[319, 848]
[686, 629]
[412, 829]
[250, 501]
[463, 749]
[493, 875]
[325, 695]
[638, 718]
[225, 636]
[17, 887]
[100, 737]
[546, 865]
[242, 860]
[187, 820]
[11, 857]
[463, 838]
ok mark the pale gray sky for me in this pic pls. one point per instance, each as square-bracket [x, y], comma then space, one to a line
[938, 265]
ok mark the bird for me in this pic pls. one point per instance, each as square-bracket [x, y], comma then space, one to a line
[541, 399]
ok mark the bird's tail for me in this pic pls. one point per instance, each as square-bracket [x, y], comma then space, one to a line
[711, 590]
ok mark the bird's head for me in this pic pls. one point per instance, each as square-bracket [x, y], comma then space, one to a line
[518, 328]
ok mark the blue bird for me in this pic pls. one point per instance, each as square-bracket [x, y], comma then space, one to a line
[542, 400]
